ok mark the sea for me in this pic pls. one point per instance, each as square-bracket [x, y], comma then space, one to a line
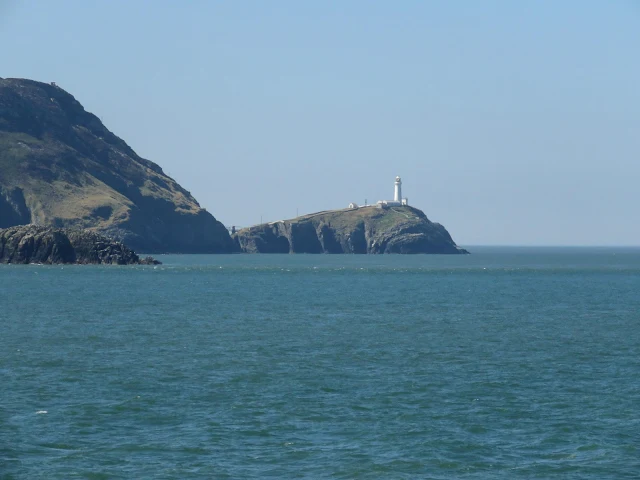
[509, 363]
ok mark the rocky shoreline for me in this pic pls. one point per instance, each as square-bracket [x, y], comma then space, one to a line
[27, 244]
[372, 230]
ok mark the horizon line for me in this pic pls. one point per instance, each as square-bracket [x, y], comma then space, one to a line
[502, 245]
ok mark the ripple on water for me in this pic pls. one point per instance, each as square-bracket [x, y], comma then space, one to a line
[482, 366]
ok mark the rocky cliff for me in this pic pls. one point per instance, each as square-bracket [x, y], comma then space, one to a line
[37, 244]
[60, 166]
[362, 230]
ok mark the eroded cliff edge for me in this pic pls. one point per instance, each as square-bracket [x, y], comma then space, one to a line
[60, 166]
[48, 245]
[362, 230]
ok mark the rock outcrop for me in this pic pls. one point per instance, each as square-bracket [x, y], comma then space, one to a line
[48, 245]
[361, 230]
[60, 166]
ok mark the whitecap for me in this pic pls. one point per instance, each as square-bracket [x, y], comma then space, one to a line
[41, 412]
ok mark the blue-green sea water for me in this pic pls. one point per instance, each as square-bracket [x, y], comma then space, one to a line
[509, 363]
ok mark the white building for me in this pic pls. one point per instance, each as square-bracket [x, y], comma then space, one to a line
[397, 193]
[397, 201]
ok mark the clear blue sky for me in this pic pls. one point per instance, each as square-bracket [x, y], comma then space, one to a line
[511, 122]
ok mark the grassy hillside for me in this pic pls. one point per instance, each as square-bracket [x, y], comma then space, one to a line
[67, 169]
[364, 230]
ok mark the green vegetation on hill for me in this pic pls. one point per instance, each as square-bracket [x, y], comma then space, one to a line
[60, 166]
[362, 230]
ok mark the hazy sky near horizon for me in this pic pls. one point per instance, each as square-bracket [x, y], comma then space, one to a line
[509, 122]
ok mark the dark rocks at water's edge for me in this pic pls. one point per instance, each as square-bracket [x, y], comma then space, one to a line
[372, 230]
[47, 245]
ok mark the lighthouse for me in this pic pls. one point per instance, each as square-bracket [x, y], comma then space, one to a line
[397, 201]
[397, 195]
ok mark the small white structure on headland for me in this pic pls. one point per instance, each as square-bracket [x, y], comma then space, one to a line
[397, 194]
[397, 201]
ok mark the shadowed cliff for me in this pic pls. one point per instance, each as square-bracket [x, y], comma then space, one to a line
[363, 230]
[60, 166]
[37, 244]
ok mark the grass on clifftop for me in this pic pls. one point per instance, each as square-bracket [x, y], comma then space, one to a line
[383, 218]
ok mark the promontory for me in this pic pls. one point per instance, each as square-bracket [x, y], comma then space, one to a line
[61, 167]
[367, 229]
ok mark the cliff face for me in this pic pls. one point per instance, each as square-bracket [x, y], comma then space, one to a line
[37, 244]
[60, 166]
[364, 230]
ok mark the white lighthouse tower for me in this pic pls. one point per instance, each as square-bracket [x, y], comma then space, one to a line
[397, 201]
[397, 195]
